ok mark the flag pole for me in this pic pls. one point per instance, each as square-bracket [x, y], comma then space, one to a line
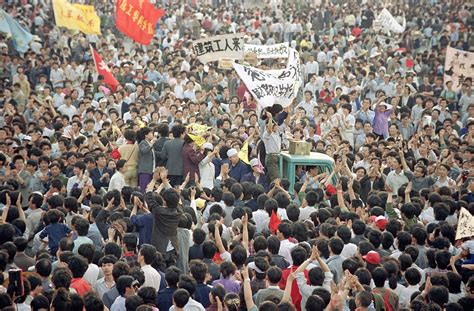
[93, 57]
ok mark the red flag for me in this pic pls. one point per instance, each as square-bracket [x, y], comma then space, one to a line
[274, 222]
[137, 19]
[104, 70]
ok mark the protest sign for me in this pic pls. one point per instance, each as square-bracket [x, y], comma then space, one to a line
[458, 66]
[273, 86]
[268, 51]
[223, 46]
[76, 16]
[225, 63]
[254, 4]
[465, 224]
[386, 21]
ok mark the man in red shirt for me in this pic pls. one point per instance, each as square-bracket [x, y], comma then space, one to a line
[78, 266]
[299, 255]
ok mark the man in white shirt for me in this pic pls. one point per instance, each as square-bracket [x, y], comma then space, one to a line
[146, 257]
[117, 182]
[126, 286]
[284, 233]
[308, 103]
[413, 278]
[311, 67]
[56, 76]
[67, 108]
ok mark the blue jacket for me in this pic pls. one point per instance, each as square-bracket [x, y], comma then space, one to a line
[238, 171]
[263, 180]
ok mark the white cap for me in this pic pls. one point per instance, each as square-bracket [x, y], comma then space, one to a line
[254, 162]
[208, 146]
[231, 152]
[254, 267]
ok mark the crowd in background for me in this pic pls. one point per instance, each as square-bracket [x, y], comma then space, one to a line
[109, 201]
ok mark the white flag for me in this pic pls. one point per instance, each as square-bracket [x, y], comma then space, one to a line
[386, 21]
[273, 86]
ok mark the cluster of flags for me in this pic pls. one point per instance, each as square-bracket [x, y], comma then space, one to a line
[135, 18]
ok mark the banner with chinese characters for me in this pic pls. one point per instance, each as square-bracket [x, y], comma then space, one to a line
[387, 22]
[222, 46]
[268, 51]
[76, 17]
[465, 227]
[137, 19]
[458, 66]
[273, 86]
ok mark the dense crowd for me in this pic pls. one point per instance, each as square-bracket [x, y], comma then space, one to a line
[145, 198]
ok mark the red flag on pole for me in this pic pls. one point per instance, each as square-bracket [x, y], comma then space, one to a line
[104, 70]
[137, 19]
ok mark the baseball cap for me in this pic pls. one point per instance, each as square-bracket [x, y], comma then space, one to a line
[372, 257]
[381, 222]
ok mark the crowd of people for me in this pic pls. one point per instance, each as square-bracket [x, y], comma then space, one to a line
[165, 193]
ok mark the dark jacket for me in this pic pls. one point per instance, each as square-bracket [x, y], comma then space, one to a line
[171, 153]
[165, 225]
[95, 175]
[158, 147]
[263, 180]
[191, 160]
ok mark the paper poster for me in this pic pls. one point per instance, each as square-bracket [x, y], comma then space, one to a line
[273, 86]
[223, 46]
[465, 224]
[458, 66]
[268, 51]
[225, 63]
[386, 21]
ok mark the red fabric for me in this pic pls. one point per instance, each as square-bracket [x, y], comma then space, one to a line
[137, 19]
[409, 63]
[356, 31]
[81, 286]
[217, 258]
[104, 70]
[115, 154]
[295, 291]
[330, 190]
[274, 222]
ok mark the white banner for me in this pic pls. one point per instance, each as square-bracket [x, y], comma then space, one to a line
[386, 21]
[273, 86]
[268, 51]
[458, 66]
[254, 4]
[222, 46]
[465, 224]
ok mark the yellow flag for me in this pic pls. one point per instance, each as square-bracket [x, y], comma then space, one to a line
[76, 16]
[199, 140]
[244, 153]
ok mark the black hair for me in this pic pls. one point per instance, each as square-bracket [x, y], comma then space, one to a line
[149, 253]
[379, 275]
[181, 298]
[172, 275]
[198, 270]
[123, 282]
[87, 251]
[78, 266]
[298, 255]
[43, 267]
